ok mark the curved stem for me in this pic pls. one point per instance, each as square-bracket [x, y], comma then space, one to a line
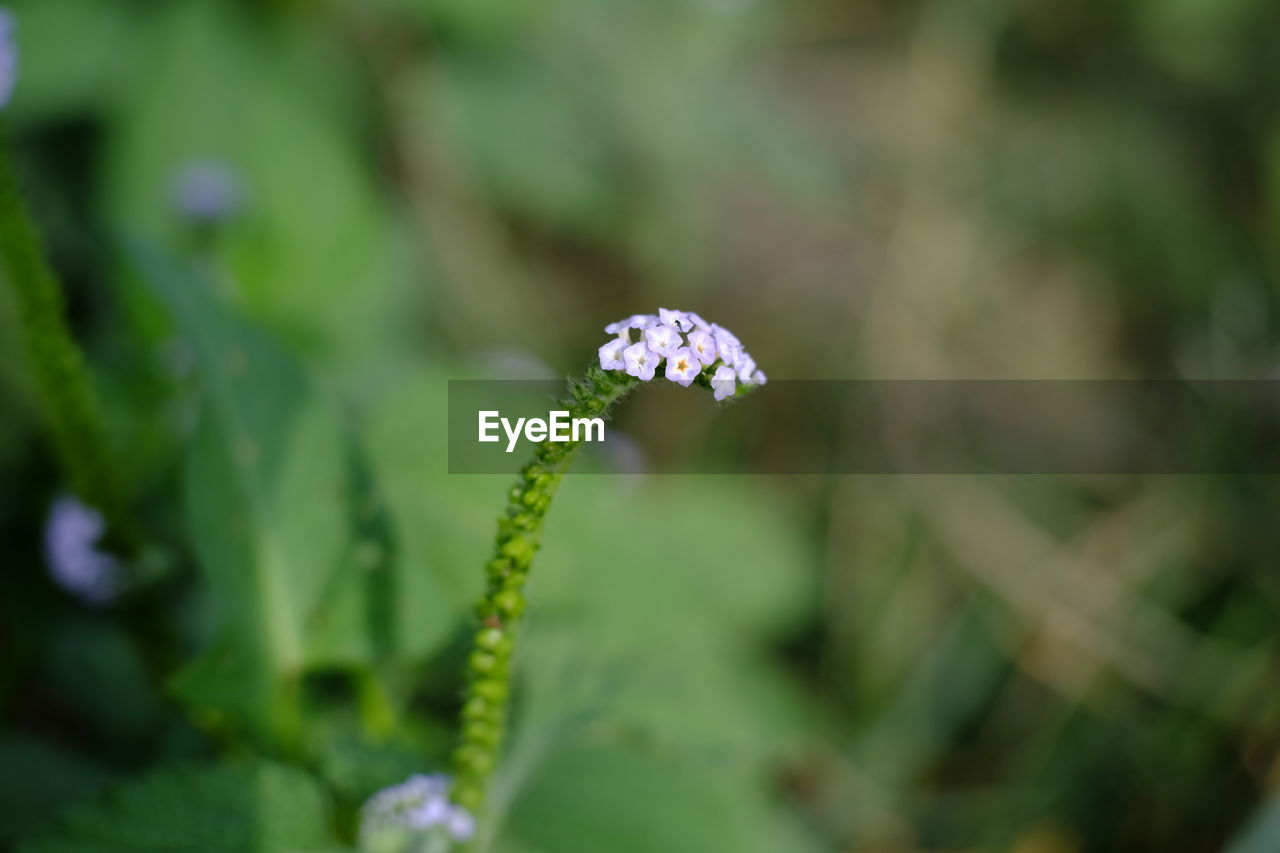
[488, 691]
[55, 360]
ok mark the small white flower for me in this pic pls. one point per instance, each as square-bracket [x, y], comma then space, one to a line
[678, 320]
[429, 813]
[728, 347]
[641, 362]
[698, 322]
[611, 354]
[723, 382]
[417, 808]
[746, 369]
[662, 339]
[682, 367]
[723, 334]
[703, 346]
[460, 823]
[635, 321]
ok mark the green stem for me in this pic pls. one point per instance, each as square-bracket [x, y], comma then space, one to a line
[61, 381]
[488, 691]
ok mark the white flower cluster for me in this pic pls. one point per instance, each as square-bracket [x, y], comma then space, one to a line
[689, 345]
[414, 808]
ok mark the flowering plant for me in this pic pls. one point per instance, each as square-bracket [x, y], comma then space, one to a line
[693, 352]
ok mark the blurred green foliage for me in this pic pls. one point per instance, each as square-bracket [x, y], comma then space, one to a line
[858, 188]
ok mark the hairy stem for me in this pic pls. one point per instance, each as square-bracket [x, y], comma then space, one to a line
[61, 382]
[488, 691]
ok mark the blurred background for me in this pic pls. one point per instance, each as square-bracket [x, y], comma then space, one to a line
[281, 227]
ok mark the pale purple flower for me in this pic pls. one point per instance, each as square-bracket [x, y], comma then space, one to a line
[746, 368]
[611, 355]
[678, 320]
[728, 347]
[703, 346]
[512, 363]
[723, 382]
[622, 453]
[663, 339]
[723, 334]
[70, 542]
[415, 790]
[430, 812]
[8, 56]
[641, 362]
[461, 824]
[207, 191]
[635, 321]
[698, 322]
[418, 806]
[683, 367]
[728, 353]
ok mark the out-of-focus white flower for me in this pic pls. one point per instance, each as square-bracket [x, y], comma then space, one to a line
[207, 191]
[512, 363]
[460, 823]
[8, 56]
[412, 815]
[622, 454]
[71, 536]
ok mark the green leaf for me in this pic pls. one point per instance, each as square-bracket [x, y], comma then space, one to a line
[315, 251]
[678, 661]
[286, 523]
[54, 82]
[515, 121]
[50, 779]
[96, 668]
[446, 523]
[259, 806]
[737, 571]
[634, 800]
